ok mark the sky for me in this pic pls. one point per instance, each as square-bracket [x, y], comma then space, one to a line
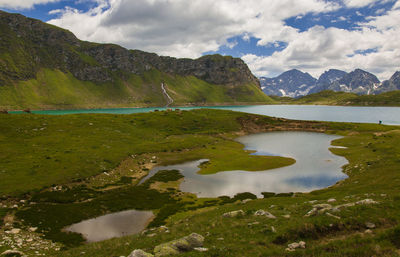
[271, 36]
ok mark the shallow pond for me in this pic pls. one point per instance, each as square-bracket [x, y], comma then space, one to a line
[112, 225]
[316, 167]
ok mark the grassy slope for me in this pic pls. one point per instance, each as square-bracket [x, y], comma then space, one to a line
[55, 89]
[343, 98]
[373, 153]
[78, 146]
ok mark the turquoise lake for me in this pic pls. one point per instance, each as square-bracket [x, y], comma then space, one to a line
[388, 115]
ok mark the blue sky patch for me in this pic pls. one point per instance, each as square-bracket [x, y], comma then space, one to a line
[238, 46]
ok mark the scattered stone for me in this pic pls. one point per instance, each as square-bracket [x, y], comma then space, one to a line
[151, 235]
[383, 195]
[15, 231]
[333, 216]
[370, 225]
[12, 253]
[318, 209]
[233, 214]
[200, 249]
[367, 201]
[247, 200]
[273, 229]
[323, 208]
[293, 246]
[253, 223]
[220, 239]
[177, 246]
[140, 253]
[287, 216]
[33, 229]
[163, 229]
[331, 200]
[264, 213]
[368, 231]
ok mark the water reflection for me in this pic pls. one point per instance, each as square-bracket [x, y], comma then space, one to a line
[112, 225]
[316, 167]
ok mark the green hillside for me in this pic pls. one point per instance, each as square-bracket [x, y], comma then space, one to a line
[344, 99]
[46, 67]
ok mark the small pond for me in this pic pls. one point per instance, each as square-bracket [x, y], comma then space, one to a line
[112, 225]
[316, 167]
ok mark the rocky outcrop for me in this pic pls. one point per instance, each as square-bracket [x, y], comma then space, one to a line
[33, 44]
[264, 213]
[184, 244]
[191, 242]
[140, 253]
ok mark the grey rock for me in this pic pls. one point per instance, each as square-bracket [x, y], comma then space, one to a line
[140, 253]
[12, 253]
[177, 246]
[233, 214]
[264, 213]
[369, 225]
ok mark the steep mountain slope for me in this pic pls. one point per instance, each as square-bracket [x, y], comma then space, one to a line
[327, 78]
[295, 83]
[357, 81]
[390, 85]
[43, 66]
[292, 83]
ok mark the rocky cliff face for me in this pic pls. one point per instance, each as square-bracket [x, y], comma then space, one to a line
[326, 79]
[28, 45]
[357, 81]
[292, 83]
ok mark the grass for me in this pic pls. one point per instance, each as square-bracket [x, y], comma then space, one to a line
[373, 152]
[60, 149]
[54, 89]
[342, 98]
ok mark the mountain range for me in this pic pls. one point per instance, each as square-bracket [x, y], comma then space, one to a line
[294, 83]
[44, 66]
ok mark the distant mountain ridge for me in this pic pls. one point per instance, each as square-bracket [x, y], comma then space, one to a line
[290, 83]
[44, 66]
[300, 84]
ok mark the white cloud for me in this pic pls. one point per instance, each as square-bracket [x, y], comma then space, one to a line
[359, 3]
[23, 4]
[184, 28]
[319, 49]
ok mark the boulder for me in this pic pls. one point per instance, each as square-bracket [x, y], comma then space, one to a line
[15, 231]
[177, 246]
[264, 213]
[233, 214]
[318, 209]
[140, 253]
[293, 246]
[370, 225]
[12, 253]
